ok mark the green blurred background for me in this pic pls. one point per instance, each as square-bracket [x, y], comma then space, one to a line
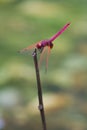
[22, 23]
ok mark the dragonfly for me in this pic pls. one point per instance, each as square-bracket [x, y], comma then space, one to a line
[44, 46]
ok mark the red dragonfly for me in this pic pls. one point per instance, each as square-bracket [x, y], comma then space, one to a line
[45, 45]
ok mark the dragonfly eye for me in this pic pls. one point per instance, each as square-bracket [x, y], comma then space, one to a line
[39, 46]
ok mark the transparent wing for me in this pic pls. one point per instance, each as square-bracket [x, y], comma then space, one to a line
[28, 49]
[44, 57]
[47, 58]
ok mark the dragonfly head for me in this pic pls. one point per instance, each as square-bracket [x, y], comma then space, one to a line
[44, 43]
[39, 45]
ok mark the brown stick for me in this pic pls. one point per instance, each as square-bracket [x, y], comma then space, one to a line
[41, 106]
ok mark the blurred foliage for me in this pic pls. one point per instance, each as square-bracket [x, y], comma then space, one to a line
[22, 23]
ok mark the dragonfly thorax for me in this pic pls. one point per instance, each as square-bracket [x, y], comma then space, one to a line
[50, 44]
[44, 43]
[40, 46]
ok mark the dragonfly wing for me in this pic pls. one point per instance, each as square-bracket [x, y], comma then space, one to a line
[28, 49]
[44, 57]
[47, 57]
